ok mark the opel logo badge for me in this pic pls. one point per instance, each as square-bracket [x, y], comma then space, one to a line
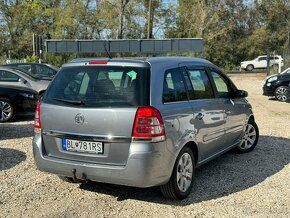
[79, 119]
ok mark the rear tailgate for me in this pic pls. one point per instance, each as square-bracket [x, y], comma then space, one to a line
[87, 113]
[111, 127]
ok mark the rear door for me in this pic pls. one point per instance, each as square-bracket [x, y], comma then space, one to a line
[208, 113]
[87, 114]
[176, 110]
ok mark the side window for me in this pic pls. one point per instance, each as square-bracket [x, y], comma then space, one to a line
[173, 87]
[201, 85]
[222, 85]
[25, 67]
[8, 76]
[42, 70]
[263, 59]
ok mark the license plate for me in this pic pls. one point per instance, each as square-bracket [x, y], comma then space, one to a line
[82, 146]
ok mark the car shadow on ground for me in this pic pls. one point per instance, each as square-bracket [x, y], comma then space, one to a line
[14, 130]
[20, 118]
[10, 158]
[272, 99]
[223, 176]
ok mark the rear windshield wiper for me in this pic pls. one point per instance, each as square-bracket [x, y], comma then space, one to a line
[74, 102]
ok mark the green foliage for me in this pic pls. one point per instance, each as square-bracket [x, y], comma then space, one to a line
[59, 59]
[32, 59]
[233, 31]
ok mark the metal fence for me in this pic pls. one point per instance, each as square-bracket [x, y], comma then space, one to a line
[125, 46]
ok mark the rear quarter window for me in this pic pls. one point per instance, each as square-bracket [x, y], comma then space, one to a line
[173, 86]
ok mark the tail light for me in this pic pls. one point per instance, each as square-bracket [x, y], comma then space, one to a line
[37, 124]
[148, 125]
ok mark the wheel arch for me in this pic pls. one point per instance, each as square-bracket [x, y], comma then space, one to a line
[282, 83]
[193, 146]
[252, 117]
[6, 97]
[41, 92]
[249, 115]
[250, 64]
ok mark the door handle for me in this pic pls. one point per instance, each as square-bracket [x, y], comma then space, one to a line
[228, 112]
[199, 116]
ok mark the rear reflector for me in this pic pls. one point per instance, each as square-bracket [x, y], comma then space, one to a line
[37, 124]
[98, 62]
[148, 124]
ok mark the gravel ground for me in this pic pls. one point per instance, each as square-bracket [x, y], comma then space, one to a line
[255, 184]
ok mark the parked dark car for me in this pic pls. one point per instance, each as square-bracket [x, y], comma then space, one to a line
[39, 70]
[16, 100]
[277, 85]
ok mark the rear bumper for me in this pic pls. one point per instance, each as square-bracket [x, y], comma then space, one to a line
[149, 164]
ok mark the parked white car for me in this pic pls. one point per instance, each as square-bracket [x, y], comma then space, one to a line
[261, 62]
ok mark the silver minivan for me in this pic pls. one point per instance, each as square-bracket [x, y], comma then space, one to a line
[140, 123]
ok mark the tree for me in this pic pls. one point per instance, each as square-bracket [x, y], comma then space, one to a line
[219, 23]
[122, 7]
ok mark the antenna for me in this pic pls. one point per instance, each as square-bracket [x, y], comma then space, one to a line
[107, 52]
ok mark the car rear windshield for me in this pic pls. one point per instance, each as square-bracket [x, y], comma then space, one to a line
[100, 86]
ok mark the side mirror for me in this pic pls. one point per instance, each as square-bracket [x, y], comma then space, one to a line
[241, 94]
[22, 80]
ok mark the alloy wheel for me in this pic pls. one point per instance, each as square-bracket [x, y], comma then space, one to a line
[281, 94]
[249, 137]
[184, 172]
[6, 110]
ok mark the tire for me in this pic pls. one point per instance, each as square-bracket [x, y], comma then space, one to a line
[249, 67]
[183, 172]
[281, 93]
[250, 138]
[7, 110]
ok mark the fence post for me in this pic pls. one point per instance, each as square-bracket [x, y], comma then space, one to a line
[268, 63]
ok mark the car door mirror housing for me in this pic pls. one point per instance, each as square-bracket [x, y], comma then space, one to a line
[241, 94]
[22, 80]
